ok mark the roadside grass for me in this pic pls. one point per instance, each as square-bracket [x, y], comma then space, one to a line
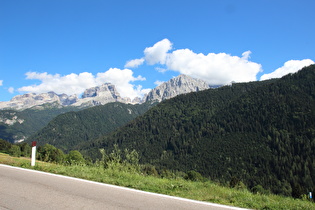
[197, 190]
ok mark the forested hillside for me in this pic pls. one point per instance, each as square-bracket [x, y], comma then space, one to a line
[262, 133]
[68, 130]
[17, 125]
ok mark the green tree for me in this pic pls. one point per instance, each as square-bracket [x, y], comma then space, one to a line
[49, 153]
[132, 157]
[25, 149]
[75, 157]
[297, 191]
[4, 146]
[15, 151]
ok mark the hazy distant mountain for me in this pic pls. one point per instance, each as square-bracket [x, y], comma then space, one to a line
[21, 102]
[25, 114]
[105, 93]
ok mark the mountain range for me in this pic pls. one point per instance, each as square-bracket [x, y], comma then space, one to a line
[104, 94]
[25, 114]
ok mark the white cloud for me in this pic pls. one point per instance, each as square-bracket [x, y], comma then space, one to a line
[1, 82]
[291, 66]
[158, 82]
[152, 55]
[76, 83]
[68, 84]
[122, 80]
[161, 70]
[246, 54]
[214, 68]
[158, 52]
[141, 92]
[134, 63]
[11, 89]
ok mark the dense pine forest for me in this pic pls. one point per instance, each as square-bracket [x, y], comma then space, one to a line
[68, 130]
[258, 133]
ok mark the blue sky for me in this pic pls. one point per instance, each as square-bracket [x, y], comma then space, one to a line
[67, 46]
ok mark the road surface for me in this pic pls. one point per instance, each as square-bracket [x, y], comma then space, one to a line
[29, 189]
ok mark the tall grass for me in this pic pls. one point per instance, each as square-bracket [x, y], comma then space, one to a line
[198, 190]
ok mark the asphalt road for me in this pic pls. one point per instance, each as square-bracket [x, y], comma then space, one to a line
[29, 189]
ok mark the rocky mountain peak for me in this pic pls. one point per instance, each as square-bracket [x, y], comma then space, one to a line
[100, 95]
[105, 89]
[32, 99]
[106, 93]
[179, 85]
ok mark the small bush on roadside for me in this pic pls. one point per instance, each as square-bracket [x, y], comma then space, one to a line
[15, 151]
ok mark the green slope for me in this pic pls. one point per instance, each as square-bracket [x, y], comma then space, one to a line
[260, 132]
[68, 130]
[32, 120]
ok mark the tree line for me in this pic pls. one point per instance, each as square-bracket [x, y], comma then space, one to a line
[116, 160]
[46, 153]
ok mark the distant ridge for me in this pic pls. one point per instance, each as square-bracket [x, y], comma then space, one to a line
[29, 100]
[105, 93]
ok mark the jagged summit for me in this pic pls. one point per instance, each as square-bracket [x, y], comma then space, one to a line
[106, 93]
[32, 99]
[98, 95]
[178, 85]
[101, 95]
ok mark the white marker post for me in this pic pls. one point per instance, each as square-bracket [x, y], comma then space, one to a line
[33, 153]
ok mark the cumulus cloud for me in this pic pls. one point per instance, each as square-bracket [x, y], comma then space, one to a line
[1, 82]
[68, 84]
[291, 66]
[76, 83]
[134, 63]
[216, 69]
[158, 52]
[122, 79]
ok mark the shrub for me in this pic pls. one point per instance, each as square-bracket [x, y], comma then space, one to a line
[75, 157]
[194, 176]
[4, 146]
[15, 151]
[258, 189]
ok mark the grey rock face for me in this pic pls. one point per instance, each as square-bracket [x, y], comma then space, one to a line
[106, 93]
[29, 100]
[100, 95]
[176, 86]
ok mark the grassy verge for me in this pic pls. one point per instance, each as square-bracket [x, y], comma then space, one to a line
[203, 191]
